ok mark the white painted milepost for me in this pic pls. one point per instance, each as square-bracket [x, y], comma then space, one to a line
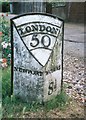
[37, 56]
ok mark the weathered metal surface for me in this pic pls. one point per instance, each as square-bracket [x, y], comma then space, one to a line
[37, 56]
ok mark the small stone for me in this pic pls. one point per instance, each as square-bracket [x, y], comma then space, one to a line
[70, 87]
[74, 82]
[77, 89]
[76, 59]
[80, 73]
[79, 93]
[74, 77]
[77, 80]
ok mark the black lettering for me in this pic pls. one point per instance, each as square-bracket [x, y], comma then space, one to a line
[40, 73]
[21, 31]
[34, 27]
[38, 28]
[55, 85]
[20, 69]
[53, 31]
[48, 29]
[15, 69]
[50, 88]
[42, 28]
[24, 70]
[36, 72]
[46, 41]
[29, 71]
[57, 29]
[34, 39]
[28, 29]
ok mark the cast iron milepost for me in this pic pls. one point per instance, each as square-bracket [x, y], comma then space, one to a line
[37, 55]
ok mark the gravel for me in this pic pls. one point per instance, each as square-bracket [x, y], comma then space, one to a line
[73, 77]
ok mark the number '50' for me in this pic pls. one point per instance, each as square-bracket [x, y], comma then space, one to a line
[45, 41]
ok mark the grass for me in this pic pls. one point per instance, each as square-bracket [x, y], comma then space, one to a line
[0, 110]
[6, 82]
[14, 107]
[60, 101]
[0, 93]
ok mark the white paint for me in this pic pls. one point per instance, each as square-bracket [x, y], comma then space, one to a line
[51, 78]
[28, 39]
[42, 57]
[41, 54]
[33, 18]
